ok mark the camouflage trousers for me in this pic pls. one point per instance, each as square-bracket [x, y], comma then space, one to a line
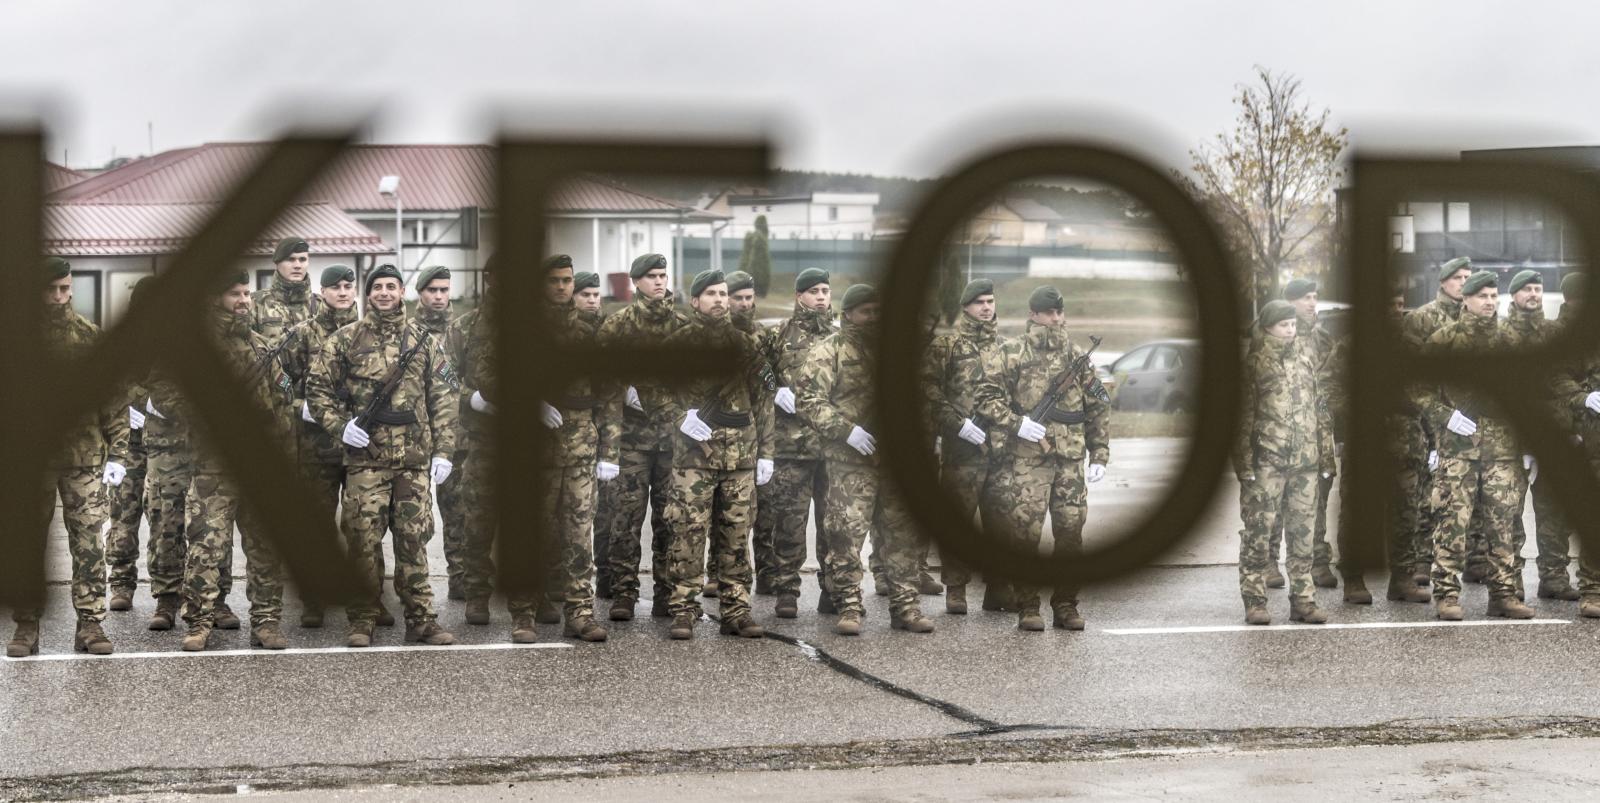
[400, 501]
[1552, 533]
[1031, 486]
[127, 512]
[1321, 552]
[1280, 499]
[211, 510]
[1588, 563]
[477, 551]
[326, 481]
[1462, 489]
[1406, 544]
[645, 478]
[860, 502]
[168, 474]
[707, 506]
[569, 495]
[964, 482]
[783, 505]
[83, 511]
[453, 499]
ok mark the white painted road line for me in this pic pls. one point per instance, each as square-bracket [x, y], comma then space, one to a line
[1161, 631]
[78, 656]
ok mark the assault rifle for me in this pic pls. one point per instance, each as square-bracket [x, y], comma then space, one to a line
[1046, 410]
[377, 408]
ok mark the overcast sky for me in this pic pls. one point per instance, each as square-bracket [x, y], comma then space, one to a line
[889, 87]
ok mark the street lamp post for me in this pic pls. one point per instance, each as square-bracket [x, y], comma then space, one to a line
[389, 187]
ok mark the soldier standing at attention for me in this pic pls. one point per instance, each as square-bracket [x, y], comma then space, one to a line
[433, 313]
[836, 399]
[646, 448]
[953, 370]
[289, 299]
[92, 457]
[471, 333]
[1415, 331]
[1577, 390]
[127, 504]
[1320, 343]
[586, 296]
[1042, 467]
[798, 477]
[742, 311]
[392, 454]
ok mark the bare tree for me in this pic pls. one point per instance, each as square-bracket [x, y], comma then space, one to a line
[1269, 182]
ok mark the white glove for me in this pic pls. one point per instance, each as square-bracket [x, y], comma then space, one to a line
[1530, 465]
[606, 472]
[1460, 424]
[1030, 430]
[1592, 401]
[135, 419]
[552, 416]
[763, 471]
[784, 400]
[1097, 472]
[632, 399]
[305, 412]
[694, 427]
[862, 441]
[971, 433]
[150, 407]
[479, 403]
[114, 473]
[1433, 461]
[439, 470]
[355, 436]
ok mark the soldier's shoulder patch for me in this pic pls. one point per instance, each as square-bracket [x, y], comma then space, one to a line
[446, 372]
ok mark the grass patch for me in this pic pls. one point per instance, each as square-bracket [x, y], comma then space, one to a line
[1151, 425]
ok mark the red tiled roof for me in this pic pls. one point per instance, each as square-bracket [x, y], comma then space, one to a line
[432, 178]
[95, 229]
[57, 177]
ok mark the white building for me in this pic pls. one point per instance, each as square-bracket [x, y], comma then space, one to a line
[817, 216]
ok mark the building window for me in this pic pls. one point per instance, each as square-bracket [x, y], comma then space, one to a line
[421, 232]
[769, 208]
[833, 213]
[994, 229]
[636, 238]
[86, 294]
[1428, 217]
[1458, 217]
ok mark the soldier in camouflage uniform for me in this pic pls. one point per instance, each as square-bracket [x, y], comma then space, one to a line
[393, 455]
[433, 314]
[798, 476]
[1320, 344]
[953, 371]
[1577, 393]
[289, 299]
[127, 504]
[92, 457]
[835, 397]
[169, 469]
[473, 331]
[1420, 325]
[646, 448]
[586, 296]
[742, 311]
[321, 456]
[722, 450]
[1040, 468]
[1481, 470]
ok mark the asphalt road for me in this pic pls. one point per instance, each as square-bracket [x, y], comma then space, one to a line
[1165, 665]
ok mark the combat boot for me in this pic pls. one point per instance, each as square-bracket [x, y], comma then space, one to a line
[1308, 613]
[602, 585]
[454, 592]
[311, 616]
[1273, 576]
[997, 597]
[546, 613]
[787, 607]
[1589, 608]
[622, 609]
[166, 612]
[1403, 588]
[849, 624]
[659, 607]
[1355, 590]
[1324, 577]
[764, 586]
[1509, 608]
[1558, 588]
[121, 599]
[1448, 608]
[430, 633]
[880, 584]
[929, 587]
[682, 626]
[1473, 574]
[1421, 575]
[1257, 615]
[478, 611]
[709, 589]
[225, 618]
[1067, 617]
[195, 639]
[522, 630]
[584, 628]
[385, 618]
[268, 636]
[955, 600]
[360, 636]
[24, 642]
[1030, 620]
[825, 603]
[742, 626]
[911, 621]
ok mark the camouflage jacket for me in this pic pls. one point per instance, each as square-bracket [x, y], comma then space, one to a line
[1570, 390]
[1027, 366]
[786, 346]
[304, 342]
[952, 370]
[103, 436]
[1429, 318]
[283, 305]
[746, 322]
[643, 323]
[1494, 439]
[834, 392]
[746, 395]
[469, 334]
[351, 369]
[1286, 420]
[1405, 436]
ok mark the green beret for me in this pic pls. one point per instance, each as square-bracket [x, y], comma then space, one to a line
[857, 295]
[1573, 285]
[645, 264]
[809, 278]
[704, 279]
[430, 273]
[975, 288]
[1449, 269]
[1478, 281]
[1523, 279]
[584, 280]
[333, 274]
[1045, 298]
[56, 268]
[1275, 312]
[1298, 288]
[233, 279]
[383, 272]
[288, 246]
[140, 288]
[558, 262]
[739, 280]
